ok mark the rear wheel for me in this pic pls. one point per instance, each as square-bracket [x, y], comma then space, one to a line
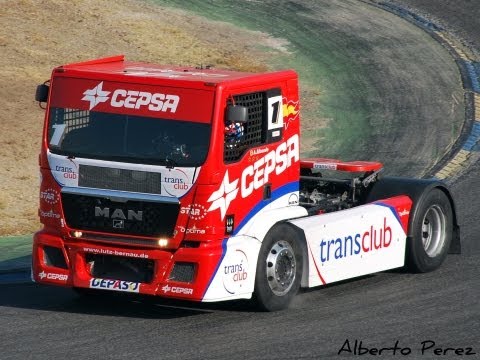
[279, 269]
[432, 232]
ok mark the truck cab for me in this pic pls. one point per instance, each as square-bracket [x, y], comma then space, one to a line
[143, 161]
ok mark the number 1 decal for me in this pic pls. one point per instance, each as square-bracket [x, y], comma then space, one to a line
[275, 112]
[275, 106]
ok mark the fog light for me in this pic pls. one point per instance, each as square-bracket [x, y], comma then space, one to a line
[162, 242]
[77, 234]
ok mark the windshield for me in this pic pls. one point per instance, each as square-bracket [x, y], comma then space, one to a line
[127, 138]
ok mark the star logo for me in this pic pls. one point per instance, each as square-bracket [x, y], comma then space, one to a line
[222, 198]
[96, 95]
[42, 275]
[166, 288]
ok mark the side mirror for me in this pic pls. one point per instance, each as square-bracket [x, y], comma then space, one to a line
[41, 95]
[237, 113]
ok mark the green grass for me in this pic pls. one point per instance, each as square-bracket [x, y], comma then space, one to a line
[15, 252]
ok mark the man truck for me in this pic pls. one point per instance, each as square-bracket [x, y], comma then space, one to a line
[187, 183]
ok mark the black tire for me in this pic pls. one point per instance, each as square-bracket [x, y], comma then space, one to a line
[279, 254]
[432, 231]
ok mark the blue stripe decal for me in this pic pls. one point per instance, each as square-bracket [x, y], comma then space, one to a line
[394, 211]
[285, 189]
[224, 251]
[474, 137]
[473, 76]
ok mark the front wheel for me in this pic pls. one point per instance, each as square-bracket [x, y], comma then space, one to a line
[432, 232]
[279, 269]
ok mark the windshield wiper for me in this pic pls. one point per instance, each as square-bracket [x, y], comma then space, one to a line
[170, 163]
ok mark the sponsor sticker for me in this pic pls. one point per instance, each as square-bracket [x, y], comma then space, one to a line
[192, 230]
[67, 172]
[235, 271]
[374, 238]
[258, 151]
[52, 276]
[175, 182]
[255, 176]
[115, 285]
[49, 214]
[177, 290]
[115, 252]
[50, 196]
[131, 99]
[404, 212]
[194, 211]
[293, 199]
[325, 166]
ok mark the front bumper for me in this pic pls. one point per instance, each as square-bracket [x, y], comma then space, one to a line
[75, 263]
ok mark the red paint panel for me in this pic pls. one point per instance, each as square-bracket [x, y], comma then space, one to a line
[402, 206]
[334, 164]
[133, 99]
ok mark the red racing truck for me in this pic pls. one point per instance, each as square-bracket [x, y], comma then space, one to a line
[187, 183]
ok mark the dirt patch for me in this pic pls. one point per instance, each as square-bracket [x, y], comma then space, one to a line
[37, 35]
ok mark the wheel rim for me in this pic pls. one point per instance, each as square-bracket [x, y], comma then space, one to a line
[281, 268]
[433, 230]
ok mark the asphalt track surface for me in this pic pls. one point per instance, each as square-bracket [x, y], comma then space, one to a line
[40, 322]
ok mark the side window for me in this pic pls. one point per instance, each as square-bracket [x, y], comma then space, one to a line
[264, 125]
[64, 123]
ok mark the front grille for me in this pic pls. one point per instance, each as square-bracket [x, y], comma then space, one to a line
[182, 272]
[120, 179]
[105, 213]
[120, 268]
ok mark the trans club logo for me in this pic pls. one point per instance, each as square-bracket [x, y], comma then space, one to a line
[255, 176]
[175, 182]
[131, 99]
[67, 171]
[372, 239]
[235, 271]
